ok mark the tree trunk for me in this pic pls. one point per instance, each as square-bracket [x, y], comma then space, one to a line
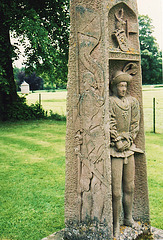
[8, 93]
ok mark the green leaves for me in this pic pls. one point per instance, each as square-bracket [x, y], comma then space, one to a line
[43, 29]
[46, 28]
[150, 54]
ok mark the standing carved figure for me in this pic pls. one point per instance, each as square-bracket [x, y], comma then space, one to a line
[124, 126]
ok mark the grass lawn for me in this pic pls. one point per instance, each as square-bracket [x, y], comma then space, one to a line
[32, 172]
[32, 176]
[154, 154]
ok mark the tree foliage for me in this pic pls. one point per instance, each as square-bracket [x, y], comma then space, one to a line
[151, 57]
[44, 23]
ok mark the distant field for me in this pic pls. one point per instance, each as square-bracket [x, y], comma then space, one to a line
[148, 94]
[56, 101]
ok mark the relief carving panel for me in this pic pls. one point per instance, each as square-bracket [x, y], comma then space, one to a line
[90, 135]
[103, 40]
[123, 30]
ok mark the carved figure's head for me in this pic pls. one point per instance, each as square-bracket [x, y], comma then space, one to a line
[120, 76]
[120, 82]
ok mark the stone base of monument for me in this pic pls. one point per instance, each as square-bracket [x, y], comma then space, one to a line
[127, 233]
[55, 236]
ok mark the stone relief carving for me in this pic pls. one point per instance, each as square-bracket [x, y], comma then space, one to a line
[124, 29]
[131, 68]
[91, 180]
[124, 127]
[88, 40]
[95, 54]
[91, 152]
[121, 31]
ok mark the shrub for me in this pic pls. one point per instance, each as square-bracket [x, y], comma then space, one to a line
[19, 110]
[56, 116]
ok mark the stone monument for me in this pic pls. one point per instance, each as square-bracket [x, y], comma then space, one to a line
[105, 159]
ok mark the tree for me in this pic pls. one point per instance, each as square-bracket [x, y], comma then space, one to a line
[45, 24]
[151, 57]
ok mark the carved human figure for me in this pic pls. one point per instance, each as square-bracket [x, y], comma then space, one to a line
[124, 126]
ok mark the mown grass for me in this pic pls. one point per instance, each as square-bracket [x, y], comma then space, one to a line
[154, 152]
[32, 175]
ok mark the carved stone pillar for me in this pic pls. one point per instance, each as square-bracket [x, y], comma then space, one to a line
[103, 39]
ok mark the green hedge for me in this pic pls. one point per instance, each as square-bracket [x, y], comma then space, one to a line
[19, 110]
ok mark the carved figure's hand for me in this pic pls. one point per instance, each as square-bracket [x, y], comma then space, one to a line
[126, 136]
[119, 145]
[114, 134]
[122, 145]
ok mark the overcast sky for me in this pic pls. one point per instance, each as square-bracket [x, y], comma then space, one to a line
[154, 9]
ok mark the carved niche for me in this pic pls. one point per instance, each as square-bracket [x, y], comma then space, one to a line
[123, 30]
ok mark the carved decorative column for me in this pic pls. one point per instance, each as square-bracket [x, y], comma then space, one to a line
[103, 39]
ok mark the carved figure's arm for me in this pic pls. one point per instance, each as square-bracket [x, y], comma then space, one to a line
[113, 124]
[135, 118]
